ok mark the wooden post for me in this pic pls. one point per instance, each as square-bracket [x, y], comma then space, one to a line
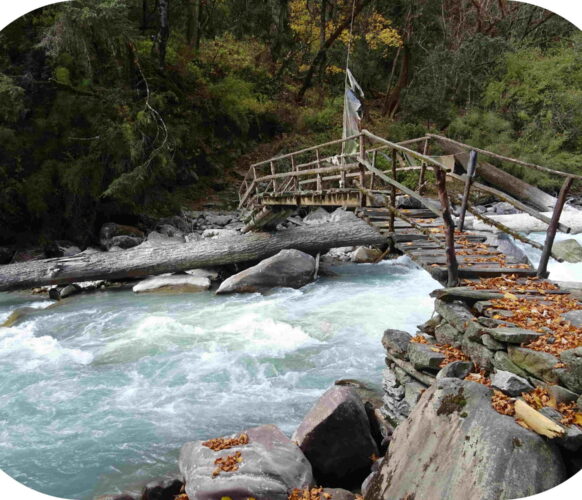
[362, 147]
[422, 168]
[319, 184]
[552, 228]
[471, 169]
[293, 169]
[452, 265]
[392, 192]
[273, 172]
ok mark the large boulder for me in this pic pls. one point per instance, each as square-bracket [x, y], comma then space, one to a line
[336, 438]
[424, 356]
[173, 284]
[289, 268]
[396, 342]
[569, 250]
[365, 255]
[270, 466]
[537, 363]
[463, 448]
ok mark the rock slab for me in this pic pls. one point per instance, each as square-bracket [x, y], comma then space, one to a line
[173, 284]
[464, 449]
[271, 466]
[289, 268]
[336, 438]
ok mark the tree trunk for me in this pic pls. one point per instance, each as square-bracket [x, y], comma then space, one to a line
[164, 33]
[193, 24]
[140, 262]
[321, 53]
[502, 180]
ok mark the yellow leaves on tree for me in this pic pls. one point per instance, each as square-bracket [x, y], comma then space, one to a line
[305, 21]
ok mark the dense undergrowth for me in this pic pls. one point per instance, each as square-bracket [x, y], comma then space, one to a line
[100, 119]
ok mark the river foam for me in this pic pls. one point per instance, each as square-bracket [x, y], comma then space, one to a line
[98, 393]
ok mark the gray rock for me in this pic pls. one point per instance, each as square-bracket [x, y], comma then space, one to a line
[479, 354]
[289, 268]
[340, 215]
[190, 237]
[513, 335]
[123, 496]
[536, 363]
[569, 250]
[456, 369]
[510, 383]
[167, 489]
[474, 331]
[464, 449]
[203, 273]
[574, 317]
[181, 283]
[271, 466]
[170, 231]
[112, 234]
[571, 374]
[504, 208]
[412, 392]
[365, 255]
[579, 403]
[561, 394]
[395, 408]
[430, 325]
[422, 356]
[501, 361]
[339, 494]
[218, 219]
[62, 292]
[317, 216]
[336, 439]
[404, 201]
[491, 344]
[396, 342]
[455, 313]
[447, 334]
[572, 439]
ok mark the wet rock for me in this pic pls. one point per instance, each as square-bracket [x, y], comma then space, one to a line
[289, 268]
[423, 357]
[341, 254]
[118, 235]
[574, 317]
[510, 383]
[513, 335]
[62, 292]
[456, 369]
[571, 374]
[569, 250]
[479, 354]
[218, 220]
[579, 403]
[536, 363]
[464, 449]
[504, 208]
[430, 325]
[396, 342]
[271, 466]
[162, 490]
[447, 334]
[561, 394]
[61, 249]
[365, 255]
[336, 439]
[456, 313]
[505, 245]
[341, 215]
[412, 392]
[404, 201]
[170, 231]
[211, 274]
[173, 284]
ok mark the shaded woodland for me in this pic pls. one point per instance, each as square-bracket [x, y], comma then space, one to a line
[126, 110]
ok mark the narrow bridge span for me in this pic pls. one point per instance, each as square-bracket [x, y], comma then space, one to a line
[367, 173]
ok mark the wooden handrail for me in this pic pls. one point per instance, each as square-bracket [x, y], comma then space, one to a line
[506, 158]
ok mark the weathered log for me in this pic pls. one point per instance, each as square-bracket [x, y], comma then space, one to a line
[536, 421]
[497, 177]
[139, 262]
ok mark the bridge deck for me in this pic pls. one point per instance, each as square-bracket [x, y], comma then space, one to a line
[477, 258]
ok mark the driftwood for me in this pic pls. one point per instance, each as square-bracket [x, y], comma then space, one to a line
[140, 262]
[497, 177]
[536, 421]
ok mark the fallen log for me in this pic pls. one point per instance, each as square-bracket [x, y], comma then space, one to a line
[140, 262]
[499, 178]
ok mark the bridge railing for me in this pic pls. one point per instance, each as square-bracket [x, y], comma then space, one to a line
[373, 171]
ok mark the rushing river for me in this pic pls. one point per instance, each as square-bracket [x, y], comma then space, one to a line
[98, 393]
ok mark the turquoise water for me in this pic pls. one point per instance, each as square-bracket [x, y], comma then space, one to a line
[98, 393]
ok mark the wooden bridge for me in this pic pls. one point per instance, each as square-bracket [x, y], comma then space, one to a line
[367, 173]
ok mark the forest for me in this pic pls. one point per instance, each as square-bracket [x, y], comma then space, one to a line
[127, 110]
